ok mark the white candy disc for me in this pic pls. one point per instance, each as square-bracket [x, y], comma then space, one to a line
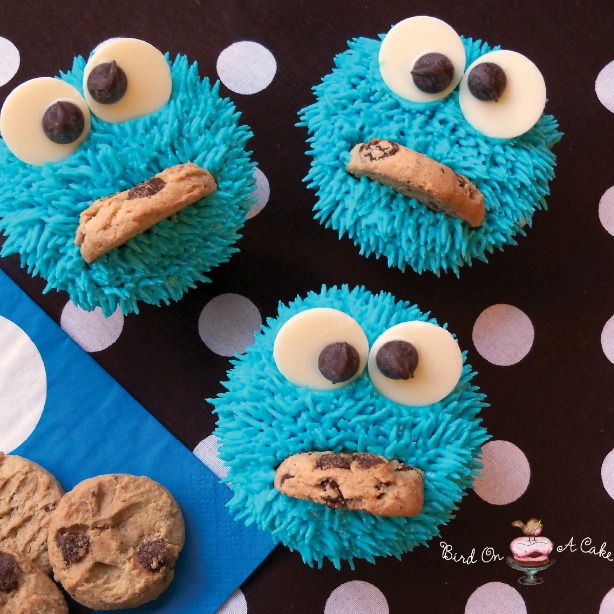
[301, 339]
[149, 79]
[22, 115]
[440, 364]
[409, 40]
[519, 107]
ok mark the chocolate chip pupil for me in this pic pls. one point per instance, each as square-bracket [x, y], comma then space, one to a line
[107, 83]
[63, 122]
[338, 362]
[8, 572]
[487, 81]
[432, 73]
[397, 360]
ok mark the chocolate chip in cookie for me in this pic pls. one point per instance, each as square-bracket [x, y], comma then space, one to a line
[364, 460]
[8, 572]
[74, 546]
[147, 188]
[153, 555]
[331, 460]
[335, 500]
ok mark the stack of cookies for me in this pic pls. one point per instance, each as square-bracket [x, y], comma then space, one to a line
[112, 542]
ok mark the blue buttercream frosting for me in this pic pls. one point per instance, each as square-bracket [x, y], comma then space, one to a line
[40, 206]
[353, 105]
[263, 418]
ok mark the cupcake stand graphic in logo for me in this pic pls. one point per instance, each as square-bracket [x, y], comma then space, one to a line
[530, 552]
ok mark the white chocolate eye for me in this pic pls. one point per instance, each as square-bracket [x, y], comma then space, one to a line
[126, 78]
[440, 364]
[410, 40]
[520, 105]
[321, 348]
[44, 100]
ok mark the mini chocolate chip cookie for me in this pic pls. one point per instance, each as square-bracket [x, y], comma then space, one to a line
[358, 481]
[25, 589]
[433, 184]
[28, 496]
[114, 541]
[111, 221]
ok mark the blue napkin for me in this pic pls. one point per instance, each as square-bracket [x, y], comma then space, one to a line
[90, 426]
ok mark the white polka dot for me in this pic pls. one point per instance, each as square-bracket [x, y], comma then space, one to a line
[604, 86]
[505, 473]
[90, 329]
[503, 334]
[235, 604]
[246, 67]
[262, 193]
[607, 473]
[23, 386]
[207, 452]
[606, 210]
[9, 60]
[227, 324]
[495, 597]
[356, 597]
[607, 604]
[607, 339]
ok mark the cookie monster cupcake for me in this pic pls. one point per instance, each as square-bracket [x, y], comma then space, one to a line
[125, 180]
[429, 149]
[351, 427]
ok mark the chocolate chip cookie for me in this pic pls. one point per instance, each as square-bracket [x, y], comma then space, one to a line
[410, 173]
[111, 221]
[359, 481]
[28, 496]
[114, 541]
[25, 589]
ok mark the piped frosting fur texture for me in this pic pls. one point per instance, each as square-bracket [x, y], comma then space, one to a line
[40, 206]
[353, 105]
[263, 418]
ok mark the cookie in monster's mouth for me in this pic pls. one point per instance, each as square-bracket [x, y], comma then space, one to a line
[125, 180]
[350, 427]
[428, 148]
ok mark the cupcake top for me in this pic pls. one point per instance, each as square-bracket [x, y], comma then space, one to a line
[293, 406]
[485, 125]
[101, 130]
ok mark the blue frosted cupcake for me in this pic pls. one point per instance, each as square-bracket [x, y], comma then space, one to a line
[281, 402]
[380, 90]
[41, 199]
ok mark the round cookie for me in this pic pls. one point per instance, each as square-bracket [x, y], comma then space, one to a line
[28, 496]
[264, 418]
[25, 589]
[354, 105]
[114, 541]
[40, 206]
